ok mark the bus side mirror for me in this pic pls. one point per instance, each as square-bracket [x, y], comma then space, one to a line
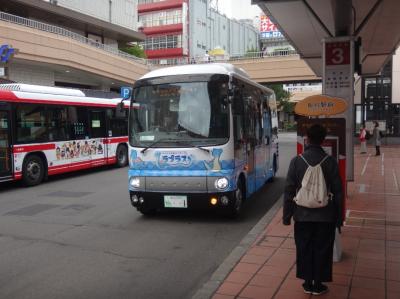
[120, 110]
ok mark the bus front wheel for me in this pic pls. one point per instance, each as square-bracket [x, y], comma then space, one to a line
[122, 156]
[147, 211]
[33, 170]
[236, 208]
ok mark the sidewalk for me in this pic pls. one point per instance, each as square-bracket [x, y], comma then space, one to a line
[370, 265]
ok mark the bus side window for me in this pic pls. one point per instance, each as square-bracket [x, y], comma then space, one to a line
[267, 123]
[249, 115]
[258, 117]
[97, 123]
[57, 123]
[31, 123]
[118, 125]
[238, 110]
[78, 122]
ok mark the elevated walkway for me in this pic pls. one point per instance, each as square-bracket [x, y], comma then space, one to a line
[41, 43]
[290, 68]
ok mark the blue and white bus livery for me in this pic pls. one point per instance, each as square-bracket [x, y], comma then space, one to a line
[200, 136]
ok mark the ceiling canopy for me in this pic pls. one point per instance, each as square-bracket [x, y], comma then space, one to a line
[305, 23]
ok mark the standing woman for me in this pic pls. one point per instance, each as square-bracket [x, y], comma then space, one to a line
[363, 140]
[377, 138]
[314, 228]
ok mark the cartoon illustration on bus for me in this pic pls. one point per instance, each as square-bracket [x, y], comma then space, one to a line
[200, 136]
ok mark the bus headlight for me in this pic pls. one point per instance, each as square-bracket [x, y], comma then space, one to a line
[221, 183]
[134, 182]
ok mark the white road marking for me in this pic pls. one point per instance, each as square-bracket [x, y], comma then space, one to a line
[395, 180]
[383, 164]
[365, 165]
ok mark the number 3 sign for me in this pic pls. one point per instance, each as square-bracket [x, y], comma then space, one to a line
[337, 53]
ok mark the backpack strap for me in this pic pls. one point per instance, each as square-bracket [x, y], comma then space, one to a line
[305, 160]
[323, 160]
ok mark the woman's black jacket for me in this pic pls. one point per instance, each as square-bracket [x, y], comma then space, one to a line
[333, 211]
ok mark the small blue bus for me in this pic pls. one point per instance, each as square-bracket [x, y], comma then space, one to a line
[200, 137]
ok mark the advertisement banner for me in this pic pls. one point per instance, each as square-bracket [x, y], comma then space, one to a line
[268, 29]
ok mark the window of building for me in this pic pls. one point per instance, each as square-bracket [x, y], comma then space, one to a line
[149, 1]
[169, 17]
[163, 42]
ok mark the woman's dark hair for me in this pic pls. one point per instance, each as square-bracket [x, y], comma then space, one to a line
[316, 134]
[376, 124]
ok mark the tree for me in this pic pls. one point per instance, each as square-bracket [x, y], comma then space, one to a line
[282, 98]
[251, 52]
[134, 50]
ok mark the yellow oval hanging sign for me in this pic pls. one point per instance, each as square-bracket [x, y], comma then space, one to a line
[318, 105]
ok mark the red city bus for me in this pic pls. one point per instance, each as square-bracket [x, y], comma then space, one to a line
[50, 130]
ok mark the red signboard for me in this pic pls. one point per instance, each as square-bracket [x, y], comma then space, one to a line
[266, 24]
[334, 144]
[337, 53]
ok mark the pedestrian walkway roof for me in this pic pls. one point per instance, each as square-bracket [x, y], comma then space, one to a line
[306, 22]
[55, 14]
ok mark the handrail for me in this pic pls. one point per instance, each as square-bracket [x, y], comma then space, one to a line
[67, 33]
[226, 58]
[263, 54]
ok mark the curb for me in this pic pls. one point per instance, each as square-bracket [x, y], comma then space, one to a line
[217, 278]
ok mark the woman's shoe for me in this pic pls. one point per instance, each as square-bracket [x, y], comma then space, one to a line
[308, 288]
[319, 289]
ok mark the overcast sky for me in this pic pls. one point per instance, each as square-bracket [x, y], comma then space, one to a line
[239, 9]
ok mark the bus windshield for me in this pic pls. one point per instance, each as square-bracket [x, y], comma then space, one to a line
[180, 114]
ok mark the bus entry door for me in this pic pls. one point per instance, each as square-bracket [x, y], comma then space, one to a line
[5, 149]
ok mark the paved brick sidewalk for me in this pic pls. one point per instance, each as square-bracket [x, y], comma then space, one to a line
[370, 266]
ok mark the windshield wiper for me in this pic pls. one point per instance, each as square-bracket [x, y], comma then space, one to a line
[187, 142]
[178, 141]
[155, 142]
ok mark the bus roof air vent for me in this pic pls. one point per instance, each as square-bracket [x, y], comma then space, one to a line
[42, 89]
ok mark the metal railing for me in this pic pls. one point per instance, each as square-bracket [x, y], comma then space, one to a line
[68, 34]
[211, 59]
[84, 40]
[263, 54]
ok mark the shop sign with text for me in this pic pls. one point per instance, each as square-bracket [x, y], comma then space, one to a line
[318, 105]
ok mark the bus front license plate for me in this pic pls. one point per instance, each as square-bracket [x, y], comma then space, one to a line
[175, 201]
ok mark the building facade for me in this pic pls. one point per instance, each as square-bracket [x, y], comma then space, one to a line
[70, 43]
[179, 31]
[377, 98]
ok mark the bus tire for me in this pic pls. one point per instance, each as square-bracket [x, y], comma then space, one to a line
[236, 208]
[33, 170]
[274, 168]
[146, 211]
[122, 155]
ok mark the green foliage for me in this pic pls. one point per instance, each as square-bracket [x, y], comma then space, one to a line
[289, 126]
[134, 50]
[251, 51]
[282, 98]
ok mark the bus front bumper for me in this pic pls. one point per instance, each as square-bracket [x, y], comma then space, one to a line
[189, 201]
